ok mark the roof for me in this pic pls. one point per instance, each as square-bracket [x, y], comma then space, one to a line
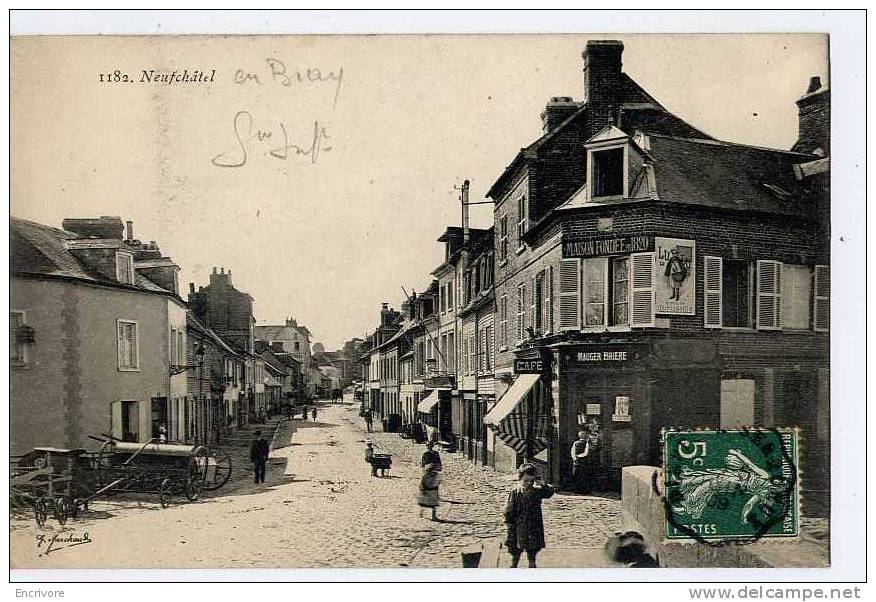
[725, 175]
[193, 323]
[277, 333]
[42, 250]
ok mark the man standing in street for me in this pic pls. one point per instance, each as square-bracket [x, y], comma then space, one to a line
[580, 462]
[258, 455]
[368, 419]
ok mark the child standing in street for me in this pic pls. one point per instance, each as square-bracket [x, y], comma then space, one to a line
[428, 491]
[523, 516]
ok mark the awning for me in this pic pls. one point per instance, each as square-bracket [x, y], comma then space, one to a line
[510, 420]
[426, 404]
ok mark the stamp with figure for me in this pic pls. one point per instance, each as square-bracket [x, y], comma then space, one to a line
[731, 485]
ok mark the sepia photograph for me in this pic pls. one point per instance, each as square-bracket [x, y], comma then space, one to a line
[421, 301]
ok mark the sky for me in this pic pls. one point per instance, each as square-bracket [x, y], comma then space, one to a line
[321, 170]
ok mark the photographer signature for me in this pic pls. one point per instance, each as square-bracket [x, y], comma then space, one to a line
[49, 543]
[245, 134]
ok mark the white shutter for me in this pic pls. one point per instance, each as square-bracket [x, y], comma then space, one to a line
[821, 309]
[533, 295]
[713, 293]
[769, 295]
[116, 419]
[642, 297]
[521, 293]
[796, 280]
[549, 300]
[570, 295]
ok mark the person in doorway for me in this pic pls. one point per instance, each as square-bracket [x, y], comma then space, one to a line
[594, 461]
[523, 516]
[427, 496]
[258, 455]
[430, 456]
[162, 433]
[580, 462]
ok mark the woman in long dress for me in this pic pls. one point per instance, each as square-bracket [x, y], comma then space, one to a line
[427, 493]
[523, 516]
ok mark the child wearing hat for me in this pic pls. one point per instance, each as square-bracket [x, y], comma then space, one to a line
[523, 516]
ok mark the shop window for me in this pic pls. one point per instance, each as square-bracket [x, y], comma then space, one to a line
[608, 173]
[736, 294]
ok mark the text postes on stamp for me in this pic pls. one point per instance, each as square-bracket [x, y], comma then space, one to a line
[731, 485]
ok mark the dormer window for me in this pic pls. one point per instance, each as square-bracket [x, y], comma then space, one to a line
[125, 267]
[608, 172]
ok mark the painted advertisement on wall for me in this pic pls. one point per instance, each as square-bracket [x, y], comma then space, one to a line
[675, 276]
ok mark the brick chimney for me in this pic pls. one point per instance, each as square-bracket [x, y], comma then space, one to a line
[603, 79]
[557, 110]
[813, 133]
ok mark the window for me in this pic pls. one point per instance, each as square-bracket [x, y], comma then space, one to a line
[522, 214]
[538, 303]
[595, 291]
[521, 311]
[620, 288]
[547, 304]
[450, 296]
[796, 284]
[608, 172]
[125, 268]
[503, 321]
[488, 344]
[125, 416]
[128, 351]
[472, 353]
[736, 294]
[451, 346]
[297, 346]
[503, 238]
[17, 346]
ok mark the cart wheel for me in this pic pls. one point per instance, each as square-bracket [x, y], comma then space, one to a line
[63, 509]
[165, 492]
[103, 462]
[194, 484]
[221, 472]
[40, 511]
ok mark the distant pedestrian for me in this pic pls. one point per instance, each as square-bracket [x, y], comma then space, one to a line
[258, 455]
[428, 490]
[523, 516]
[369, 458]
[430, 456]
[313, 413]
[304, 414]
[369, 420]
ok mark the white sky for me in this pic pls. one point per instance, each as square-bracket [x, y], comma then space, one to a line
[327, 242]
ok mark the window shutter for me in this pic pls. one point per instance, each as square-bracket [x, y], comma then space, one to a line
[549, 300]
[519, 312]
[821, 310]
[796, 283]
[116, 419]
[570, 295]
[712, 296]
[642, 298]
[769, 295]
[533, 295]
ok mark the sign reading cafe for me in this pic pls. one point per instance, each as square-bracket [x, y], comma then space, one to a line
[675, 276]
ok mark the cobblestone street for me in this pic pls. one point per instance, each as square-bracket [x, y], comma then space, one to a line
[320, 508]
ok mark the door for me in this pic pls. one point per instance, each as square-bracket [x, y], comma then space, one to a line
[737, 403]
[126, 420]
[159, 416]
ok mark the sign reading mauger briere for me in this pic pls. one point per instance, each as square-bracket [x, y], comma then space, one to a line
[602, 246]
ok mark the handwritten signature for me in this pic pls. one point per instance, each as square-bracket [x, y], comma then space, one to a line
[279, 74]
[246, 134]
[60, 540]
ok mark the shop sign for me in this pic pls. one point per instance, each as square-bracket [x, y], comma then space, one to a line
[529, 366]
[621, 409]
[675, 276]
[603, 246]
[615, 355]
[593, 409]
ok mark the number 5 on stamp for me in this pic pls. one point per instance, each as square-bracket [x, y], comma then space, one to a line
[731, 485]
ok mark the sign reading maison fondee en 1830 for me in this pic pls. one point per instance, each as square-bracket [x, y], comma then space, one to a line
[602, 246]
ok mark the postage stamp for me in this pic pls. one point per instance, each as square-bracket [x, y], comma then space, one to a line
[731, 485]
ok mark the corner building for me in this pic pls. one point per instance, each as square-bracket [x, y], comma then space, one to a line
[648, 275]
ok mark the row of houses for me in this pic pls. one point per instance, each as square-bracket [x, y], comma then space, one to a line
[638, 274]
[102, 342]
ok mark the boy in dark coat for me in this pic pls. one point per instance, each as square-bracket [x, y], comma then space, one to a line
[523, 515]
[258, 455]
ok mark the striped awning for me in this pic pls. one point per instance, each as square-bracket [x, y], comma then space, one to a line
[427, 403]
[510, 419]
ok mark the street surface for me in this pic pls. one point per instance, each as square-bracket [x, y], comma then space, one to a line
[319, 508]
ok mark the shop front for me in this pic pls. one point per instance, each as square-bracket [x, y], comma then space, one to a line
[626, 392]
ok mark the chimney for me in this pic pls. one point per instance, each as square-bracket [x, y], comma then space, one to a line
[813, 109]
[191, 288]
[129, 230]
[602, 77]
[557, 110]
[463, 197]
